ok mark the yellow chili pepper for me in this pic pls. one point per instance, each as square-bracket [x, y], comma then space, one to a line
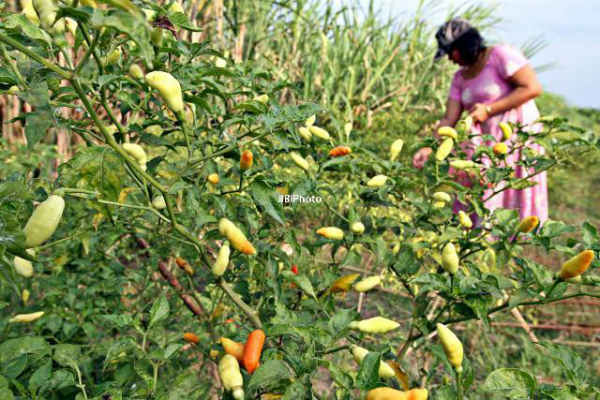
[528, 224]
[452, 346]
[448, 132]
[374, 325]
[331, 232]
[577, 265]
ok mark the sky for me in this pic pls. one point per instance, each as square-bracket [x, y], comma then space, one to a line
[569, 28]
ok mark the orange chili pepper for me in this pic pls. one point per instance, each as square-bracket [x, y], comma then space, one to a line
[253, 350]
[340, 151]
[232, 347]
[191, 338]
[246, 160]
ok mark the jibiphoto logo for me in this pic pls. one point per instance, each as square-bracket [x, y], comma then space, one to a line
[297, 198]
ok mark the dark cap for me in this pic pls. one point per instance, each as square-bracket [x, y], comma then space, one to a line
[448, 33]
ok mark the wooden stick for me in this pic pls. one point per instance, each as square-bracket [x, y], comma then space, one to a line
[519, 317]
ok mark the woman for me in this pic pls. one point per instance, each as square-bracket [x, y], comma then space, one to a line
[494, 84]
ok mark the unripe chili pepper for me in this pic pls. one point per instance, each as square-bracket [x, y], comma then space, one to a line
[348, 128]
[462, 164]
[450, 259]
[30, 12]
[468, 123]
[577, 265]
[47, 11]
[452, 346]
[377, 181]
[444, 150]
[396, 148]
[305, 133]
[155, 130]
[357, 227]
[442, 196]
[367, 283]
[374, 325]
[220, 63]
[465, 220]
[359, 353]
[229, 371]
[25, 296]
[331, 232]
[340, 151]
[168, 87]
[246, 160]
[232, 347]
[43, 221]
[506, 130]
[263, 98]
[191, 338]
[175, 8]
[299, 160]
[253, 350]
[136, 72]
[439, 204]
[528, 224]
[489, 258]
[159, 202]
[149, 14]
[14, 90]
[24, 267]
[236, 237]
[112, 57]
[319, 132]
[156, 36]
[26, 317]
[137, 152]
[222, 260]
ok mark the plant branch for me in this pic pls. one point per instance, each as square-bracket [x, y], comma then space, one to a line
[252, 315]
[12, 65]
[36, 57]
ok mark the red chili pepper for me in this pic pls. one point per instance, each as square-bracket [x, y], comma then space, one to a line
[295, 269]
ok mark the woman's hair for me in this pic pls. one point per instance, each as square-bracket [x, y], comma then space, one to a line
[469, 45]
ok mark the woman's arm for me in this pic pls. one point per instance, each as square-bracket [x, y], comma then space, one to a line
[527, 87]
[453, 111]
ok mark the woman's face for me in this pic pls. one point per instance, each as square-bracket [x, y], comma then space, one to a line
[454, 56]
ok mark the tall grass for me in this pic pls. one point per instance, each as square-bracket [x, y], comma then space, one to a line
[351, 60]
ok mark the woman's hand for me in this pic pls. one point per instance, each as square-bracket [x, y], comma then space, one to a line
[421, 157]
[479, 113]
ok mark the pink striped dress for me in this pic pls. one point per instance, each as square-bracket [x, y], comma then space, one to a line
[491, 84]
